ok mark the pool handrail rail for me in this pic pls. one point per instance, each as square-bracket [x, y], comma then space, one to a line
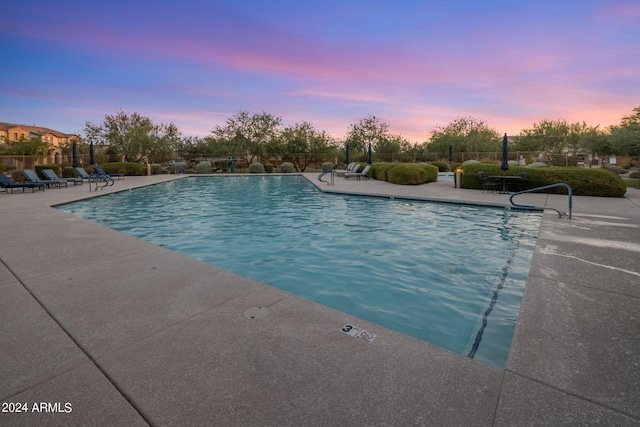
[562, 184]
[331, 171]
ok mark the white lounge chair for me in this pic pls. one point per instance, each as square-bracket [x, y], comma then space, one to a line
[353, 167]
[364, 174]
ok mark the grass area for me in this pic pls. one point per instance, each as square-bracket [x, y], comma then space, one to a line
[635, 183]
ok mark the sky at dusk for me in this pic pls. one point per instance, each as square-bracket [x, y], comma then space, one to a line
[416, 65]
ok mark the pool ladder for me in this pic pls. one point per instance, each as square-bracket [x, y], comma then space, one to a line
[560, 213]
[325, 173]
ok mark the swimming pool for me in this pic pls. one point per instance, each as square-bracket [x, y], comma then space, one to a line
[436, 272]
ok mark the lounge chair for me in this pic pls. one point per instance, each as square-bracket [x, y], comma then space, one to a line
[8, 184]
[82, 173]
[352, 168]
[33, 178]
[343, 171]
[51, 175]
[98, 170]
[364, 174]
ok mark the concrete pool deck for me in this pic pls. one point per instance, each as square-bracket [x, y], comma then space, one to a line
[101, 328]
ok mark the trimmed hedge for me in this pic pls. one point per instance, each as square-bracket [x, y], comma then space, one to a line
[442, 166]
[412, 174]
[203, 168]
[327, 166]
[380, 170]
[127, 168]
[256, 168]
[287, 167]
[69, 172]
[54, 167]
[583, 181]
[268, 167]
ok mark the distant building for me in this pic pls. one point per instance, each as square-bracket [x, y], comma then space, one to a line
[56, 139]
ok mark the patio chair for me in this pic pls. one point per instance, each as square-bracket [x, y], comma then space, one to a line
[50, 175]
[521, 184]
[488, 184]
[98, 170]
[364, 174]
[33, 178]
[353, 169]
[8, 184]
[106, 179]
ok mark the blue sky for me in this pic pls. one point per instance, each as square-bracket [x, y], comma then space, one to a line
[416, 65]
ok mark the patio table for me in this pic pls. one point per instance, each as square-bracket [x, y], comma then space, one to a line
[505, 180]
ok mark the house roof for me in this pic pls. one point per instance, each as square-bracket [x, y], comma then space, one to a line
[36, 130]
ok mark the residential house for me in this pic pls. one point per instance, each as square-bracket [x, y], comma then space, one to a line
[56, 139]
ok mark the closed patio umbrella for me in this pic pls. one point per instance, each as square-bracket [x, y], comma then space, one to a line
[505, 151]
[74, 155]
[450, 153]
[91, 159]
[370, 157]
[346, 160]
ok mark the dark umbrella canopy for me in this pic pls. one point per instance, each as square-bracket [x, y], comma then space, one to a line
[91, 159]
[74, 155]
[450, 153]
[346, 160]
[369, 160]
[505, 150]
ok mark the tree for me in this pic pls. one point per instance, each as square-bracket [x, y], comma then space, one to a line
[557, 139]
[248, 134]
[165, 139]
[134, 136]
[596, 142]
[301, 144]
[370, 130]
[625, 138]
[28, 147]
[392, 147]
[463, 135]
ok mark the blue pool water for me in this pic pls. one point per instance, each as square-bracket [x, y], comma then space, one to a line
[432, 271]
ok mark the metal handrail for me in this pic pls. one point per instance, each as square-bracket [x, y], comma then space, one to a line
[323, 174]
[560, 214]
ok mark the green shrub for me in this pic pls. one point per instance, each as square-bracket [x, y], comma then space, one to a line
[287, 167]
[442, 166]
[256, 168]
[432, 171]
[633, 175]
[583, 181]
[513, 163]
[156, 168]
[615, 169]
[127, 168]
[69, 172]
[180, 167]
[268, 167]
[412, 174]
[537, 165]
[470, 162]
[327, 166]
[203, 167]
[53, 167]
[626, 166]
[380, 170]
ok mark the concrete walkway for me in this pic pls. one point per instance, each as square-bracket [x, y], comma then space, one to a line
[100, 328]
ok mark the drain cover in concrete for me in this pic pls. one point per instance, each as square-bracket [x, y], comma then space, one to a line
[256, 312]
